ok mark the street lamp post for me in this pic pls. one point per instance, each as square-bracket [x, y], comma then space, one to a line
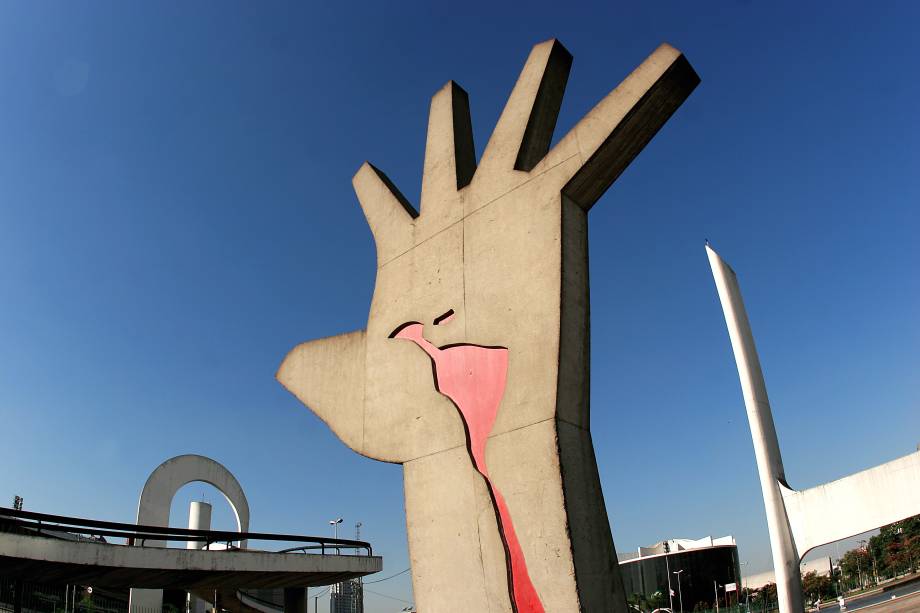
[871, 556]
[335, 531]
[747, 597]
[680, 594]
[667, 566]
[865, 547]
[859, 571]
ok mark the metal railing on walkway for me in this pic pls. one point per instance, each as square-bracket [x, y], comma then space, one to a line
[44, 524]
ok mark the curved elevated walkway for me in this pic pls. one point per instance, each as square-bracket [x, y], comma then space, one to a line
[49, 549]
[51, 560]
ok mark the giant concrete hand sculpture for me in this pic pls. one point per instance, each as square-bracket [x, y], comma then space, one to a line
[503, 503]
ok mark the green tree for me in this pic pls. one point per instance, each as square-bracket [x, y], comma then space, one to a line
[765, 595]
[854, 566]
[896, 548]
[657, 600]
[913, 551]
[817, 587]
[893, 551]
[638, 601]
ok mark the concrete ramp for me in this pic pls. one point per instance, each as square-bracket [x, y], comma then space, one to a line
[51, 560]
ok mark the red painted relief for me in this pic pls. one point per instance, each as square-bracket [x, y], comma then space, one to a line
[474, 377]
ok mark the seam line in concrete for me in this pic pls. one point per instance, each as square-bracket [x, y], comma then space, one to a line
[477, 209]
[536, 423]
[520, 185]
[434, 453]
[565, 421]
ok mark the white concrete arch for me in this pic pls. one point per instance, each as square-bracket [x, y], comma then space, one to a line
[163, 483]
[156, 501]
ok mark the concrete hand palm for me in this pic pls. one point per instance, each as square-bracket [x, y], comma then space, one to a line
[487, 245]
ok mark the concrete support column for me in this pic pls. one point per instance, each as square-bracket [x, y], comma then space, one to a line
[199, 518]
[17, 596]
[763, 434]
[295, 600]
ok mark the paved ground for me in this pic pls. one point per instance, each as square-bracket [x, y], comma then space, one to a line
[908, 603]
[908, 599]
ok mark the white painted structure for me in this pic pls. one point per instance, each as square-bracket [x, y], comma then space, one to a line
[675, 546]
[171, 475]
[199, 518]
[823, 566]
[870, 499]
[802, 520]
[156, 500]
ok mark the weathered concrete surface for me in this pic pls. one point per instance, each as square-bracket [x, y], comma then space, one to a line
[156, 500]
[799, 521]
[504, 246]
[51, 560]
[163, 483]
[860, 502]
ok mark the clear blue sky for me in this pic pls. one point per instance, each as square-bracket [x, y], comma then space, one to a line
[176, 213]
